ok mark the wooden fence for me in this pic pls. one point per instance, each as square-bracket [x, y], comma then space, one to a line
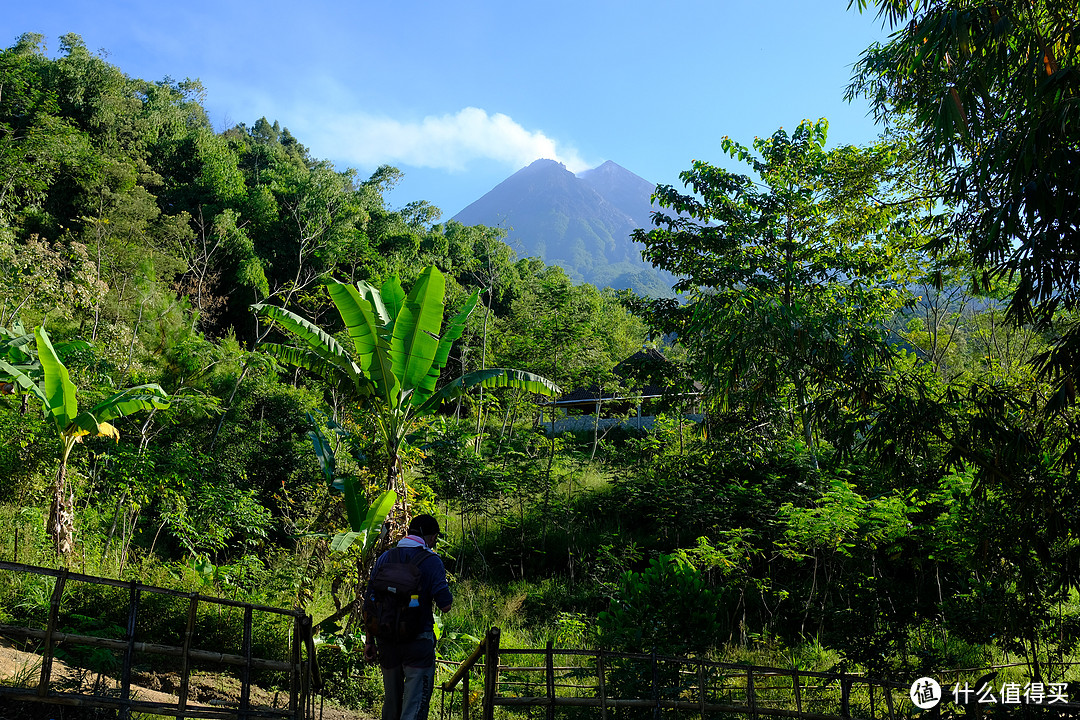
[300, 669]
[666, 686]
[644, 685]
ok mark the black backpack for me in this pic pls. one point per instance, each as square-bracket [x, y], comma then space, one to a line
[395, 613]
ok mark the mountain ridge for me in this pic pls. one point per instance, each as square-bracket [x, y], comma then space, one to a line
[580, 222]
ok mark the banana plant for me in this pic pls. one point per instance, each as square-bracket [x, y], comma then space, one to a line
[400, 348]
[58, 398]
[365, 522]
[16, 349]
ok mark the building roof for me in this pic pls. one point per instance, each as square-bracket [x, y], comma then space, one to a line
[646, 364]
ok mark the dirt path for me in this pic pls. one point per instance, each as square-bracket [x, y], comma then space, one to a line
[20, 668]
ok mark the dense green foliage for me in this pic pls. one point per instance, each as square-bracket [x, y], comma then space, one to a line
[992, 92]
[885, 477]
[792, 275]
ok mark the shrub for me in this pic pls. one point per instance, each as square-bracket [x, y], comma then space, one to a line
[668, 606]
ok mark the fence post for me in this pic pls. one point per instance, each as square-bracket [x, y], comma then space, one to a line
[655, 687]
[550, 671]
[185, 663]
[845, 696]
[308, 668]
[245, 674]
[701, 687]
[888, 701]
[129, 653]
[464, 697]
[54, 613]
[316, 684]
[751, 696]
[798, 694]
[491, 673]
[294, 674]
[600, 680]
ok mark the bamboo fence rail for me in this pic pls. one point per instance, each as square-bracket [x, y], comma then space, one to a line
[301, 668]
[609, 682]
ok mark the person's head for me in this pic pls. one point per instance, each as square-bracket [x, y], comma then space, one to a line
[426, 527]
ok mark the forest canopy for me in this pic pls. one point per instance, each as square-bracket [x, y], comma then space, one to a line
[861, 444]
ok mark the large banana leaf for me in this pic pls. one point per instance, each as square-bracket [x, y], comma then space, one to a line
[15, 330]
[378, 307]
[317, 343]
[132, 400]
[87, 424]
[344, 540]
[17, 349]
[393, 295]
[492, 377]
[451, 333]
[18, 376]
[310, 359]
[416, 330]
[60, 401]
[353, 503]
[12, 346]
[324, 452]
[369, 527]
[380, 509]
[373, 351]
[95, 421]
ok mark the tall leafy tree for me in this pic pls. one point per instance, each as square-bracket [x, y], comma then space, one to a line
[790, 273]
[992, 90]
[36, 142]
[571, 333]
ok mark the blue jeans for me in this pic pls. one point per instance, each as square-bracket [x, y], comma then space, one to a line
[408, 671]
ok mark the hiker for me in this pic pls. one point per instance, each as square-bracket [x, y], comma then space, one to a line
[400, 625]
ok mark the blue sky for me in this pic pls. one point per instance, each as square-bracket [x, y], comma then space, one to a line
[459, 95]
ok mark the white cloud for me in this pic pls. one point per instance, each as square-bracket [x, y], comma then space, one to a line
[449, 142]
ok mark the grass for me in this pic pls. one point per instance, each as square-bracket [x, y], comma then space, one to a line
[480, 606]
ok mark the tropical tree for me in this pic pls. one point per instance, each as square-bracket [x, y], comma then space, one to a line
[791, 274]
[36, 143]
[400, 349]
[58, 398]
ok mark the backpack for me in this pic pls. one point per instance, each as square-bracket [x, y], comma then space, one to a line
[395, 613]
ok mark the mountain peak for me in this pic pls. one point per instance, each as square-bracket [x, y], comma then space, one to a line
[582, 223]
[608, 167]
[545, 164]
[623, 189]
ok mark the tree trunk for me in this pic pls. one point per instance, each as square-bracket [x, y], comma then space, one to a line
[62, 513]
[808, 433]
[596, 428]
[483, 366]
[156, 536]
[228, 407]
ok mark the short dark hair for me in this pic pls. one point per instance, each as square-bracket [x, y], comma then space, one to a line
[424, 525]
